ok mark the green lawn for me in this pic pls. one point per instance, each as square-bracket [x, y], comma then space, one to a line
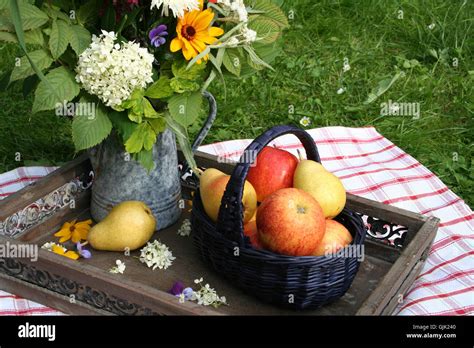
[432, 44]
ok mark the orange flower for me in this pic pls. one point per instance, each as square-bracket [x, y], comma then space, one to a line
[74, 231]
[57, 249]
[194, 32]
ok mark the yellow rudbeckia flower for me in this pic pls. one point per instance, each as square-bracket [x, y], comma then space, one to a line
[74, 231]
[194, 33]
[57, 249]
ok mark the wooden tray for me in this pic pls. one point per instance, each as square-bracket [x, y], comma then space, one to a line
[33, 214]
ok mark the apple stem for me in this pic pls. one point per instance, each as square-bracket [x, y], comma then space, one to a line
[198, 172]
[300, 156]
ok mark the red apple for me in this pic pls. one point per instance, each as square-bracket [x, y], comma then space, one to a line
[274, 170]
[250, 230]
[335, 238]
[290, 222]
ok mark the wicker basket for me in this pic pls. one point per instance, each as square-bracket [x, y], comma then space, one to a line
[295, 282]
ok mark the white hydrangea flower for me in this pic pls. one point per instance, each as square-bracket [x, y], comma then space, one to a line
[156, 255]
[119, 268]
[185, 229]
[177, 6]
[112, 71]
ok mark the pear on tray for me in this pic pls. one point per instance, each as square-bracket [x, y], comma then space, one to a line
[128, 226]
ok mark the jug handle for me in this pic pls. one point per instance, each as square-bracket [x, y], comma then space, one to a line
[205, 128]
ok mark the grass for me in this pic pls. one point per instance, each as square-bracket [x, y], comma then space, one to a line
[438, 74]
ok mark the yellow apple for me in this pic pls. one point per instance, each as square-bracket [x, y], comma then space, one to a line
[212, 186]
[335, 237]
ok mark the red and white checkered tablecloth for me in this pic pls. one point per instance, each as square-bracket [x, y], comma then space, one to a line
[373, 167]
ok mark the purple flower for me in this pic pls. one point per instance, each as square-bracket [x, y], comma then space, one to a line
[188, 293]
[157, 34]
[83, 252]
[177, 289]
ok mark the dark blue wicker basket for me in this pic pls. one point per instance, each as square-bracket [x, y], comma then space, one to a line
[289, 281]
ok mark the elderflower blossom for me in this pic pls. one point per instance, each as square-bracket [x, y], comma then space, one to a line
[119, 268]
[207, 296]
[249, 34]
[112, 71]
[156, 255]
[185, 229]
[232, 42]
[237, 7]
[177, 6]
[239, 12]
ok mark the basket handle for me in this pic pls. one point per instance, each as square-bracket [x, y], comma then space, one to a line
[230, 219]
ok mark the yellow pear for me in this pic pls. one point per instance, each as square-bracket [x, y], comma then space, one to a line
[128, 226]
[212, 186]
[325, 187]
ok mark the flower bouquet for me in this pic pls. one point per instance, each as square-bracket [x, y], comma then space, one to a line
[135, 67]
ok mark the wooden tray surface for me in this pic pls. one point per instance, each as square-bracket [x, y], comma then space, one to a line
[86, 286]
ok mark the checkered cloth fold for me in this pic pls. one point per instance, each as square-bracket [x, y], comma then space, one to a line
[371, 166]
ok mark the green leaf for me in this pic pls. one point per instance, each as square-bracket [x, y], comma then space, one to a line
[59, 38]
[158, 124]
[232, 62]
[145, 157]
[271, 11]
[31, 16]
[124, 126]
[267, 30]
[160, 89]
[135, 98]
[8, 37]
[183, 140]
[87, 13]
[89, 131]
[254, 60]
[185, 107]
[142, 137]
[16, 20]
[63, 88]
[148, 109]
[3, 4]
[79, 38]
[135, 117]
[40, 58]
[180, 70]
[382, 87]
[150, 137]
[54, 13]
[34, 37]
[180, 85]
[5, 22]
[267, 53]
